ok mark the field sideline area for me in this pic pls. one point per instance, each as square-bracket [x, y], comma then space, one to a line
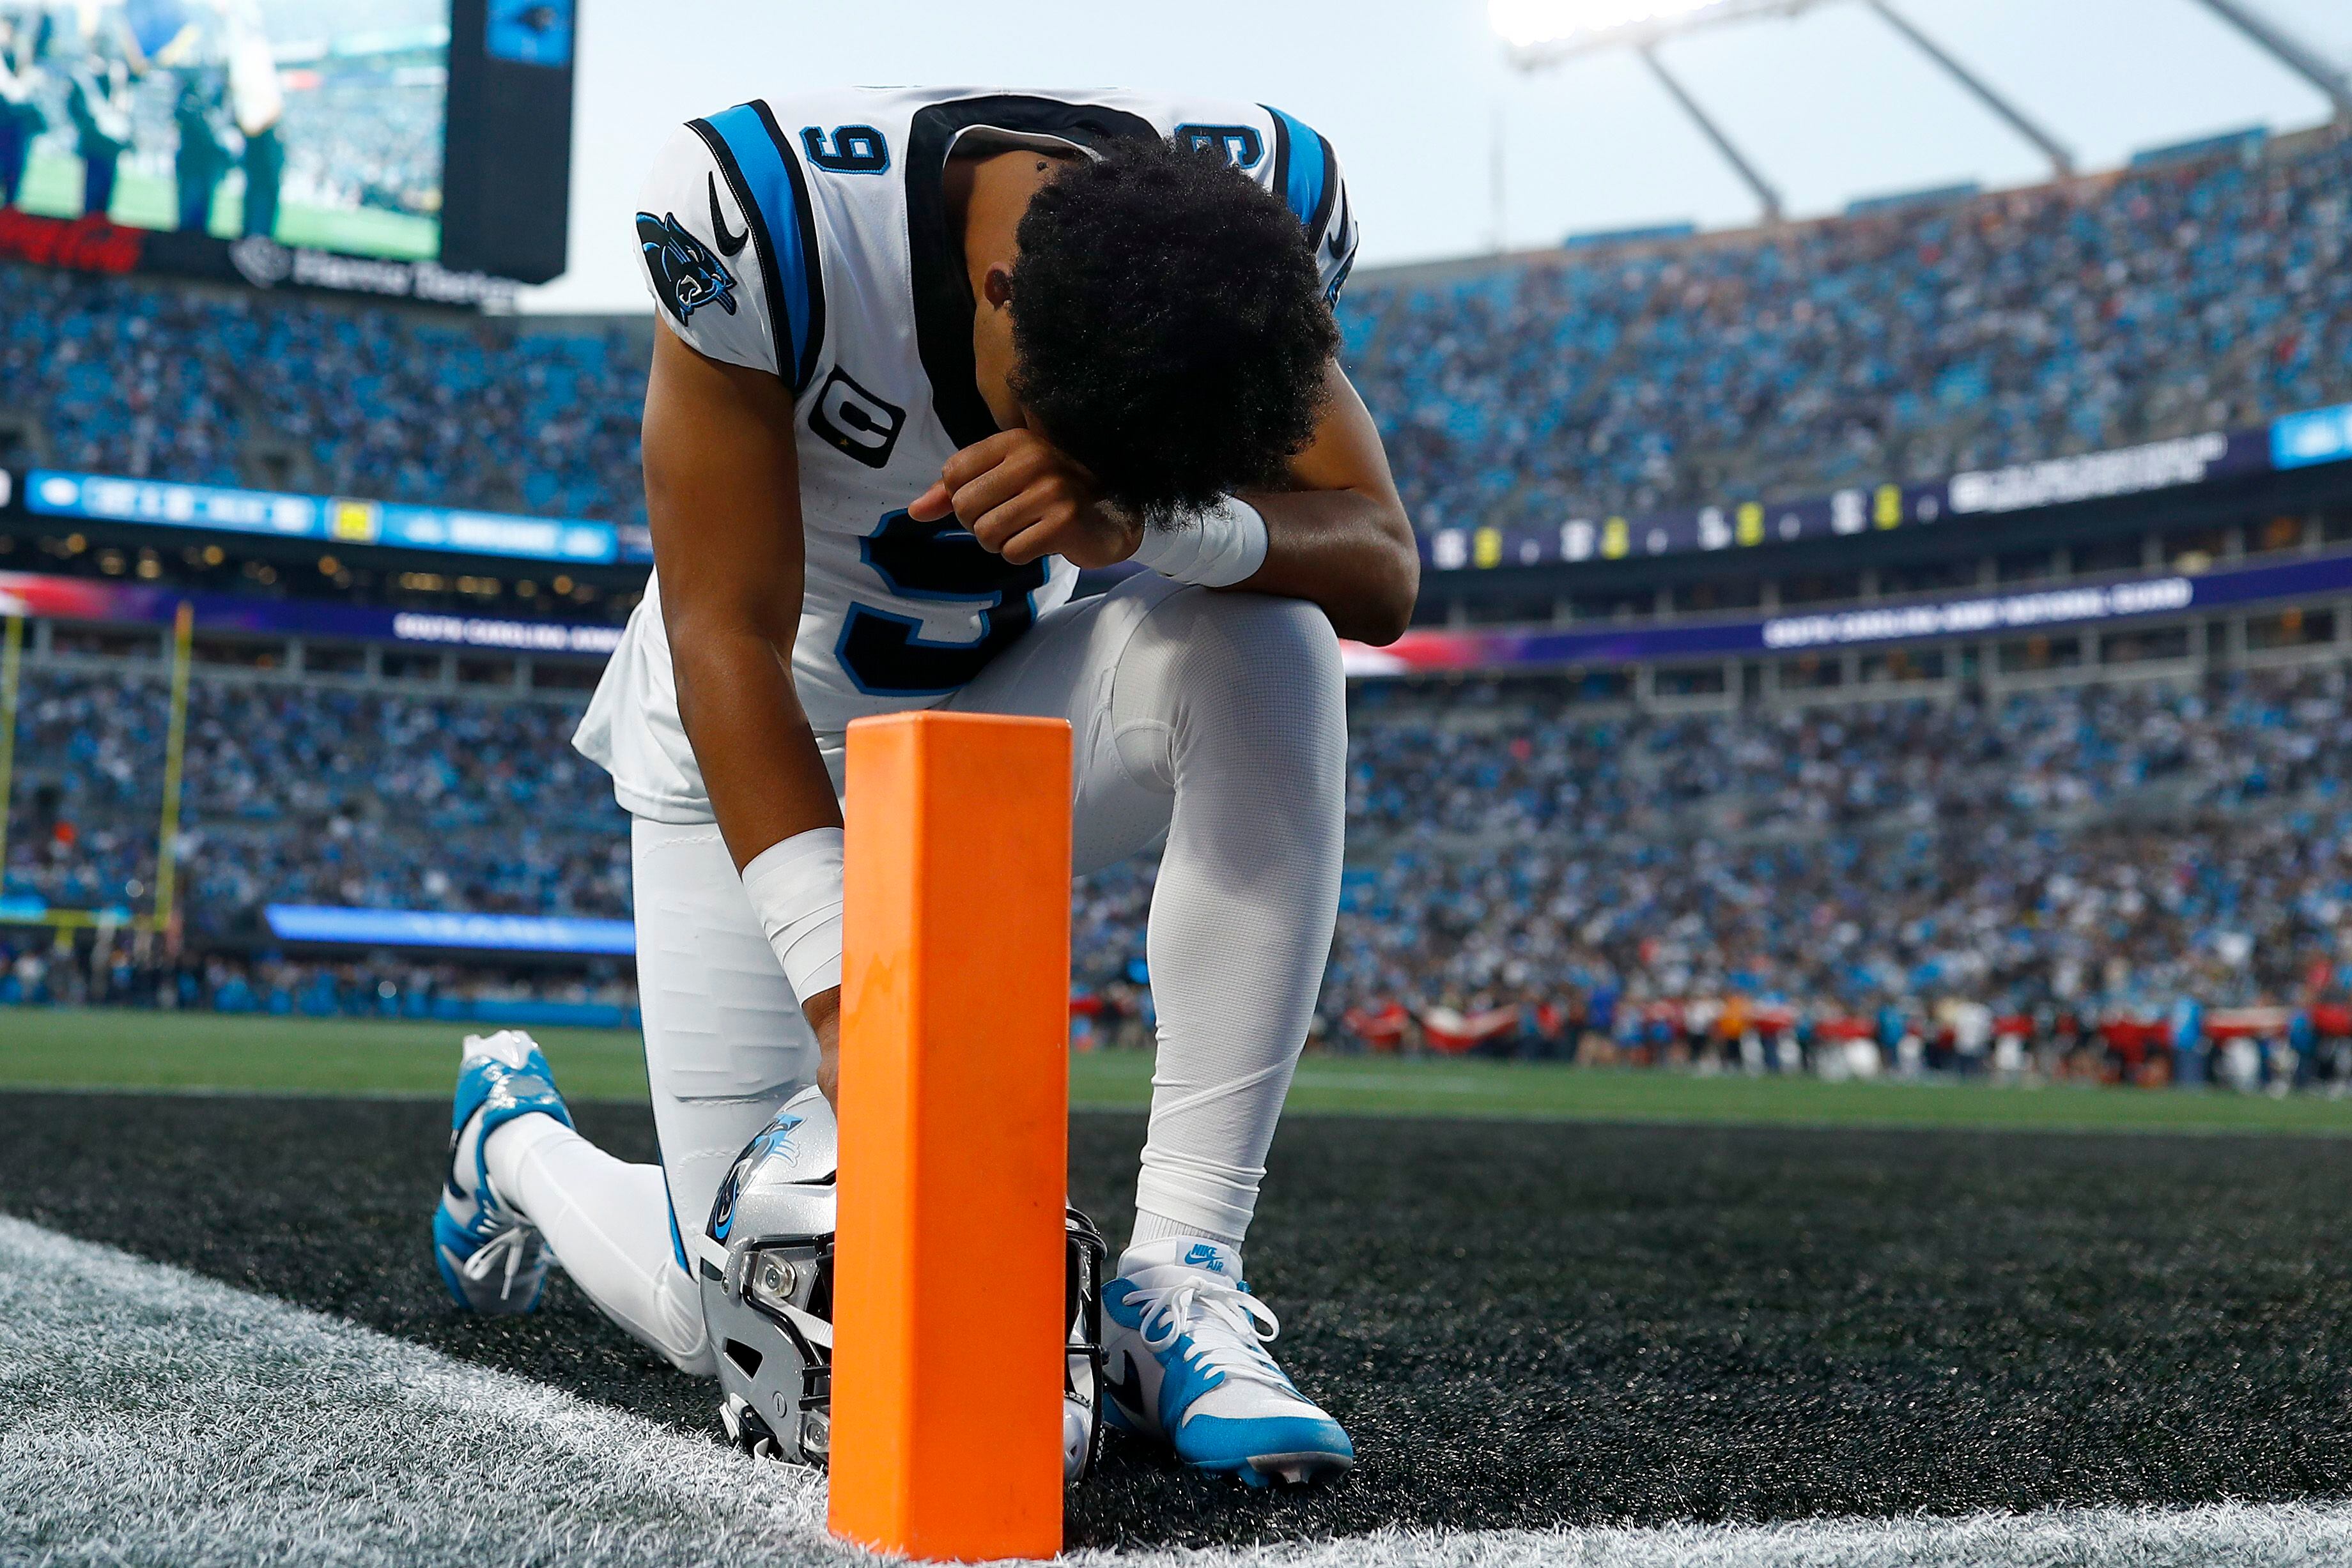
[104, 1049]
[1608, 1318]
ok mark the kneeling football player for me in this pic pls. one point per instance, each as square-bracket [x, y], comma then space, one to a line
[923, 355]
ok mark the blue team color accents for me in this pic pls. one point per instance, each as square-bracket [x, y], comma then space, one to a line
[773, 181]
[1306, 172]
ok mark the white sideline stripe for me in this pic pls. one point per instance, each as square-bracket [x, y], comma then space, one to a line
[150, 1416]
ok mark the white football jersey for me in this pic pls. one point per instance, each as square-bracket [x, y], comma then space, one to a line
[808, 237]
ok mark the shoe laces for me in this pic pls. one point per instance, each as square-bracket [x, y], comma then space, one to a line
[509, 1246]
[1229, 1327]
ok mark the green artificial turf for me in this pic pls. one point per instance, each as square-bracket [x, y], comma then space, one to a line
[146, 1050]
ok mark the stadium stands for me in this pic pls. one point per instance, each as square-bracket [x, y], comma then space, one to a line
[2101, 848]
[1592, 380]
[309, 795]
[2106, 849]
[1898, 346]
[1532, 862]
[153, 382]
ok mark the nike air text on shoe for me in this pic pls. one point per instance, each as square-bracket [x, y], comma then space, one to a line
[1187, 1362]
[491, 1257]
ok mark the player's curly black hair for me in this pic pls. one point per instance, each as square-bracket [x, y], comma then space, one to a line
[1168, 328]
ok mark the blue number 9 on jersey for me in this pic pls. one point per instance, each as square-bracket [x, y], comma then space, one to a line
[888, 654]
[850, 150]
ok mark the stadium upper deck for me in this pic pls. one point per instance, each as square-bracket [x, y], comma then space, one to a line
[2156, 302]
[1896, 345]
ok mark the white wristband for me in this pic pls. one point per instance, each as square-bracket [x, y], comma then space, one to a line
[795, 888]
[1222, 547]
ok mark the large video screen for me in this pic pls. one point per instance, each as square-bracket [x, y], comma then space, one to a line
[316, 123]
[409, 146]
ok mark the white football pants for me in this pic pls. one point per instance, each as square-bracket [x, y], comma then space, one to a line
[1217, 720]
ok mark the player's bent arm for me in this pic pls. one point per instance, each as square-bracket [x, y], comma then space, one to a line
[722, 493]
[1339, 538]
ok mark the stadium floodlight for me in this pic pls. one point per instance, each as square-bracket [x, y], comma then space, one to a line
[2289, 51]
[1540, 32]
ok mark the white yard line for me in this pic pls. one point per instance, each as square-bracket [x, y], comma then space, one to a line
[2238, 1535]
[149, 1415]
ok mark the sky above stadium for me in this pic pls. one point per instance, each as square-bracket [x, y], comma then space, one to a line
[1415, 94]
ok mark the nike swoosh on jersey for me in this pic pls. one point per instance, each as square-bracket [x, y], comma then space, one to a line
[728, 244]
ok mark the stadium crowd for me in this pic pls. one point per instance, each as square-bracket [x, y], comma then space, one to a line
[1905, 345]
[138, 379]
[1909, 343]
[1525, 872]
[308, 795]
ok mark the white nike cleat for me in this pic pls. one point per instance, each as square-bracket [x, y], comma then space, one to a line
[491, 1257]
[1186, 1363]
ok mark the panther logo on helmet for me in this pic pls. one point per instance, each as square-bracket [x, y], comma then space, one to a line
[774, 1139]
[764, 1273]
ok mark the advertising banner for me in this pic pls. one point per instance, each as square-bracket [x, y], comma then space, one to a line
[2299, 440]
[1417, 653]
[326, 519]
[2295, 441]
[427, 928]
[121, 603]
[1910, 621]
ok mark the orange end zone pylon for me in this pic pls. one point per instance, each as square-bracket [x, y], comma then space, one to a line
[954, 1108]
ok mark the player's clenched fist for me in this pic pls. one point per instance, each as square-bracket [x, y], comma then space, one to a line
[1024, 498]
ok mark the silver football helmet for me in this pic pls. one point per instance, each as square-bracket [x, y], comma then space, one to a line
[1082, 1382]
[764, 1265]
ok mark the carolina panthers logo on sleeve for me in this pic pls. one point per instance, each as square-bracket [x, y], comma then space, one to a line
[687, 276]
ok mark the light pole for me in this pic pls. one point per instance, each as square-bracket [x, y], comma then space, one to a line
[1540, 33]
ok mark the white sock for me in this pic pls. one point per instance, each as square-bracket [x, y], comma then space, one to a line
[1241, 702]
[1150, 1228]
[607, 1222]
[1158, 1240]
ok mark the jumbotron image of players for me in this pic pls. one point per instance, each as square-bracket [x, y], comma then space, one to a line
[924, 356]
